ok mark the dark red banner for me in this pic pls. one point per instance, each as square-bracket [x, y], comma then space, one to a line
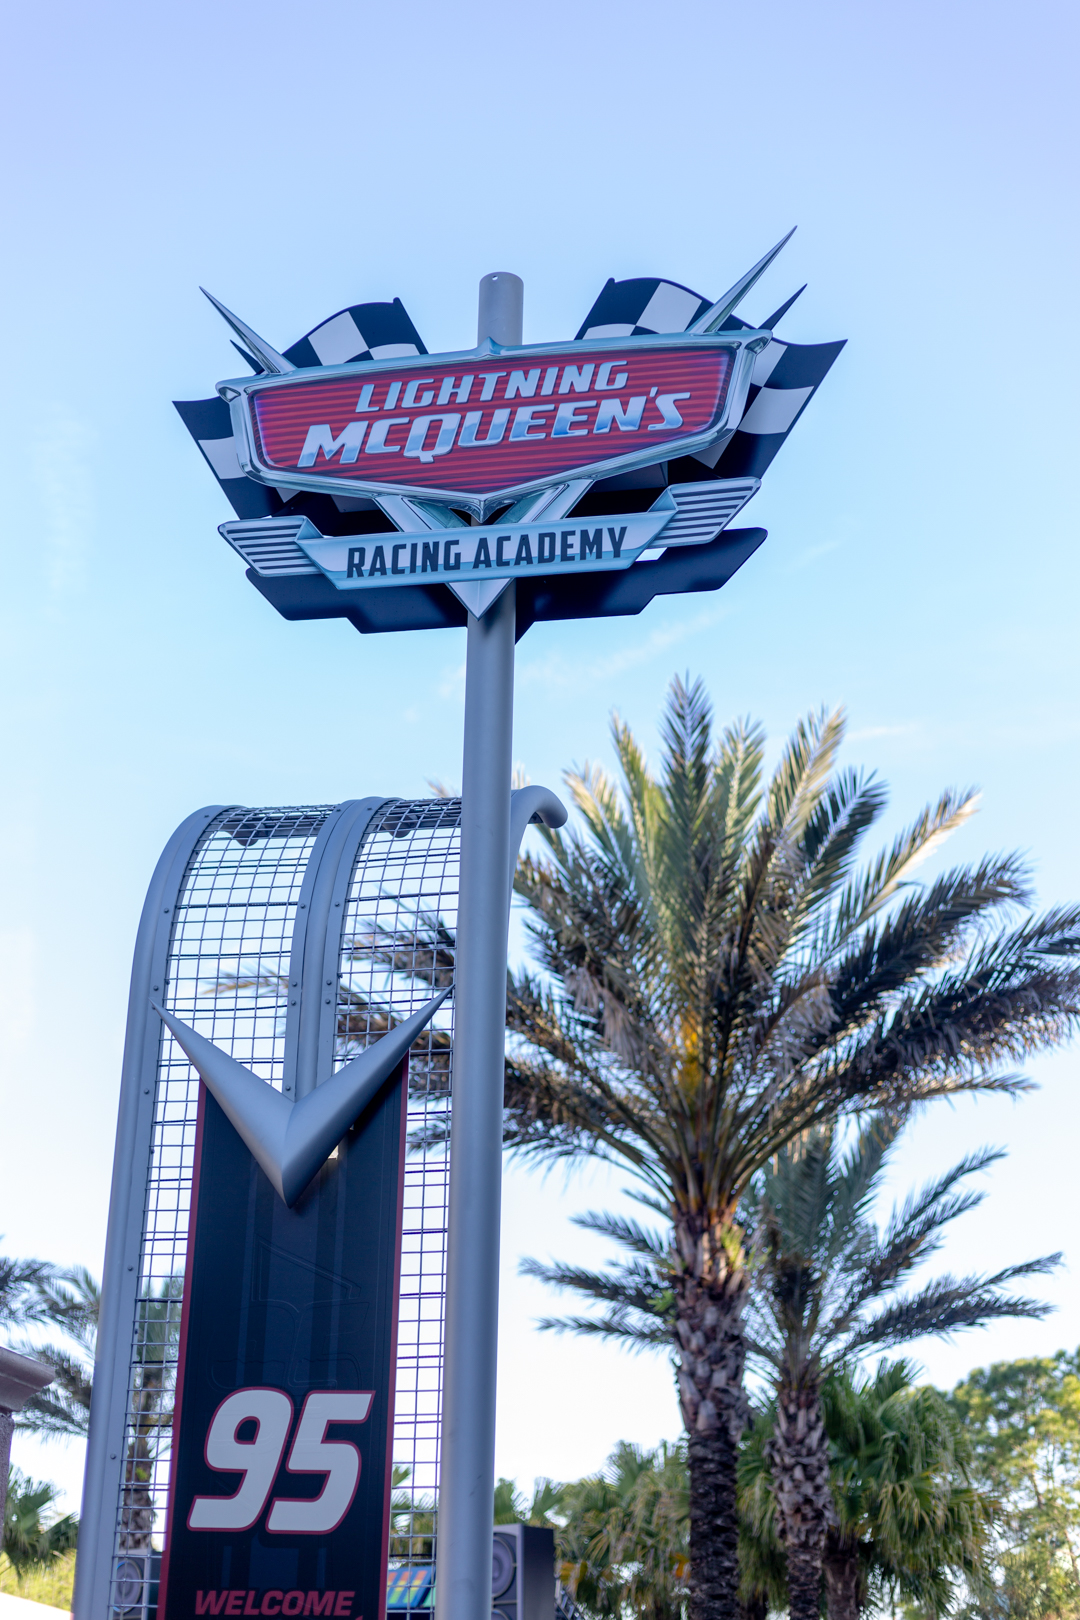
[485, 425]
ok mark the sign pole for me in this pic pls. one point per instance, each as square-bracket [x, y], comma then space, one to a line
[467, 1459]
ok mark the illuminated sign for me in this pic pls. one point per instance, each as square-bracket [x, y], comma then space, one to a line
[483, 430]
[400, 489]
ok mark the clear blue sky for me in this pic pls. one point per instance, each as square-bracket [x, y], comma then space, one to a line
[921, 566]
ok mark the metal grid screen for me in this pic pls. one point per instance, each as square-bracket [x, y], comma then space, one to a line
[226, 976]
[398, 946]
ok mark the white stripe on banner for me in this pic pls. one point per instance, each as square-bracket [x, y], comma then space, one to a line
[774, 410]
[221, 454]
[620, 329]
[337, 341]
[392, 351]
[765, 364]
[670, 309]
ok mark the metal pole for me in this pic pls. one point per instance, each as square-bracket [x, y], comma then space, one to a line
[467, 1458]
[7, 1429]
[21, 1378]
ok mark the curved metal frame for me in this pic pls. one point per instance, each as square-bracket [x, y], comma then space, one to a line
[123, 1243]
[309, 1033]
[315, 946]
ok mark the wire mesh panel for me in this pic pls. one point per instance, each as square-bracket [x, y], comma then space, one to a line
[227, 964]
[227, 976]
[397, 948]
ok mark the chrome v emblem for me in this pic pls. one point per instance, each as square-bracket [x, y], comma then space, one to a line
[291, 1141]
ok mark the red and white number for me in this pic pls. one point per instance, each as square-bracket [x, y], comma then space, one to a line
[259, 1458]
[312, 1453]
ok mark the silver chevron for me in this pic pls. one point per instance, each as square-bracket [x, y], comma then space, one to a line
[292, 1141]
[715, 317]
[264, 354]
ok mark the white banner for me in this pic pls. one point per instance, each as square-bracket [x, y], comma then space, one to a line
[452, 556]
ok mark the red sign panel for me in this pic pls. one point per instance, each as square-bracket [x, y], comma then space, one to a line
[490, 424]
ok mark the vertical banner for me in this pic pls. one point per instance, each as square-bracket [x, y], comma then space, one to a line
[279, 1502]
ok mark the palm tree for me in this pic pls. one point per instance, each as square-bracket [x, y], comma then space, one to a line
[19, 1279]
[907, 1520]
[70, 1301]
[825, 1290]
[26, 1540]
[513, 1507]
[719, 979]
[623, 1550]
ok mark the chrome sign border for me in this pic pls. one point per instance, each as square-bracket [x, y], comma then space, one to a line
[744, 346]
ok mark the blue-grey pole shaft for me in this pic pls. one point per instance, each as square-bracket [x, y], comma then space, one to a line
[467, 1456]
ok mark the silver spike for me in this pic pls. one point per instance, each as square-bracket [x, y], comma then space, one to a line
[265, 355]
[716, 316]
[291, 1141]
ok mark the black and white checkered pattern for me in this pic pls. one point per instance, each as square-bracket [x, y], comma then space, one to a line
[362, 332]
[210, 425]
[640, 307]
[785, 377]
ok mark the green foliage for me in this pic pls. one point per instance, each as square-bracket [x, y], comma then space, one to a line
[825, 1281]
[19, 1299]
[511, 1506]
[1023, 1422]
[909, 1524]
[624, 1547]
[722, 976]
[31, 1537]
[68, 1301]
[52, 1584]
[412, 1522]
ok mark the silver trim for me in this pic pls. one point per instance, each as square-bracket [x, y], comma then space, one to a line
[718, 314]
[291, 1141]
[269, 544]
[123, 1244]
[744, 346]
[262, 351]
[703, 510]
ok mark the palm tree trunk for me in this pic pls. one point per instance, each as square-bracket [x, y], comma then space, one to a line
[710, 1375]
[844, 1587]
[799, 1458]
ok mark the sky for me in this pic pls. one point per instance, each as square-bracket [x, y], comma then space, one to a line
[921, 568]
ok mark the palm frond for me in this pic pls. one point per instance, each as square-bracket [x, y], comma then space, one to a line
[625, 1232]
[872, 889]
[949, 1304]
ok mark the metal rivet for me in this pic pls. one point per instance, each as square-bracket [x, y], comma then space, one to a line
[328, 1001]
[292, 1003]
[131, 1268]
[146, 1091]
[303, 905]
[112, 1456]
[329, 981]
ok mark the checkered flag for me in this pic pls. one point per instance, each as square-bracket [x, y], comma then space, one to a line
[362, 332]
[643, 306]
[785, 375]
[785, 378]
